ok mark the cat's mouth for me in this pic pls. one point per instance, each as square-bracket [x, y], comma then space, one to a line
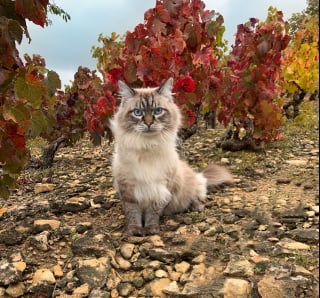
[150, 130]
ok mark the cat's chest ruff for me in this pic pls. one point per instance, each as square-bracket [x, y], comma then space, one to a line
[151, 160]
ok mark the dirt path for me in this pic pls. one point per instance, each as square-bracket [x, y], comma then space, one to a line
[61, 236]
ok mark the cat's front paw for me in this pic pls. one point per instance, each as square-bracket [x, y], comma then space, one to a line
[152, 230]
[196, 206]
[133, 231]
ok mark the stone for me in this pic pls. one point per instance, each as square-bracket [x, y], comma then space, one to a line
[82, 291]
[83, 227]
[16, 290]
[224, 161]
[212, 231]
[93, 244]
[113, 280]
[126, 250]
[43, 187]
[172, 289]
[239, 266]
[182, 267]
[157, 285]
[160, 273]
[156, 241]
[310, 213]
[162, 255]
[315, 209]
[283, 181]
[260, 259]
[114, 293]
[43, 276]
[293, 245]
[40, 241]
[41, 225]
[43, 282]
[123, 263]
[297, 162]
[310, 236]
[140, 264]
[11, 237]
[300, 270]
[125, 289]
[57, 271]
[148, 274]
[197, 273]
[20, 266]
[236, 288]
[199, 259]
[270, 287]
[155, 264]
[98, 293]
[175, 276]
[93, 271]
[9, 273]
[73, 204]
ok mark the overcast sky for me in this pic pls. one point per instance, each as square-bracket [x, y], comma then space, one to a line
[65, 46]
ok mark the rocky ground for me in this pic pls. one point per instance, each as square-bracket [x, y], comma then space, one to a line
[60, 233]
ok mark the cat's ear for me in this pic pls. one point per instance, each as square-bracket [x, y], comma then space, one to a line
[166, 88]
[125, 91]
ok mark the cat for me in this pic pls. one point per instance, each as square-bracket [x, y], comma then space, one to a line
[148, 174]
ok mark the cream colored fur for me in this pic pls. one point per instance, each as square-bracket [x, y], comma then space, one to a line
[148, 173]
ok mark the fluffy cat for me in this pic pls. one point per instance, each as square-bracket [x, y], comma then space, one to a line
[148, 174]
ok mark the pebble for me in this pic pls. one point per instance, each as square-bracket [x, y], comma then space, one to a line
[239, 288]
[156, 241]
[123, 263]
[126, 250]
[297, 162]
[182, 267]
[82, 290]
[57, 271]
[43, 275]
[293, 245]
[315, 209]
[125, 289]
[238, 266]
[160, 273]
[225, 161]
[16, 290]
[157, 285]
[41, 225]
[43, 187]
[93, 271]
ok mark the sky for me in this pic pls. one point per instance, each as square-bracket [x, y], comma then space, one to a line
[67, 45]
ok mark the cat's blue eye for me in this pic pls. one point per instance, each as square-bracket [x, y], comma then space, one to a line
[158, 110]
[137, 112]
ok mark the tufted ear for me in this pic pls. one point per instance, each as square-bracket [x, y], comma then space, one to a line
[125, 91]
[166, 88]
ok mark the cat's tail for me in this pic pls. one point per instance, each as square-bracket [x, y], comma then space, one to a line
[217, 175]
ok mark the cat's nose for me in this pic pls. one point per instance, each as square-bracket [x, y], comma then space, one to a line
[148, 119]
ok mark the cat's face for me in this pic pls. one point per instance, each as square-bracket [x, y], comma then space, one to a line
[148, 111]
